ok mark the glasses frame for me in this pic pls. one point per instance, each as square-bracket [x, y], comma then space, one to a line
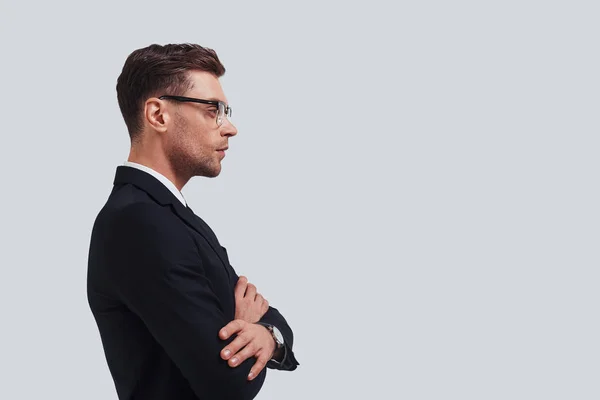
[220, 105]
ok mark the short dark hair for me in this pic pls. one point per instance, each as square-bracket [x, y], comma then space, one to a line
[156, 70]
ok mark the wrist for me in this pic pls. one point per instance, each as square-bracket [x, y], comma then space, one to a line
[278, 342]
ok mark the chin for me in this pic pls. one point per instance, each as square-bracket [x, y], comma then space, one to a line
[216, 171]
[209, 172]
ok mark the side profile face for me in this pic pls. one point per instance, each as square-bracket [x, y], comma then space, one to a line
[193, 140]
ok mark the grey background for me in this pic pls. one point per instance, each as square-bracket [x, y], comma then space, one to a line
[414, 185]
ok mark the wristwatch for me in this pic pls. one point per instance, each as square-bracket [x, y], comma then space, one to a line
[277, 336]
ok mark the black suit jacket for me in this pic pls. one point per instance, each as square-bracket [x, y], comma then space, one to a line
[160, 287]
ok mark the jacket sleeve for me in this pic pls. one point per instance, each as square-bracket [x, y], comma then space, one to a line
[157, 272]
[274, 317]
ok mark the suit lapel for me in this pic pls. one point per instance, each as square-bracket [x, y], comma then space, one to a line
[163, 196]
[202, 228]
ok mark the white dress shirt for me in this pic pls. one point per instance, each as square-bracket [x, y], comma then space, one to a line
[163, 179]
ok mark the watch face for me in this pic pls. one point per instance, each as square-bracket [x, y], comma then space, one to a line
[278, 335]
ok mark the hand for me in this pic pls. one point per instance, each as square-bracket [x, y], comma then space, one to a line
[252, 340]
[250, 306]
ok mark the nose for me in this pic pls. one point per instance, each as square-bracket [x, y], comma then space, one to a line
[228, 129]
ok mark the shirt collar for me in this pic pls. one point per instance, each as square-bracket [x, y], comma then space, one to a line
[163, 179]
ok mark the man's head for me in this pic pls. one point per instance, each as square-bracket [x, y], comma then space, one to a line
[183, 133]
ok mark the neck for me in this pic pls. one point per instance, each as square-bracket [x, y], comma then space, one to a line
[158, 162]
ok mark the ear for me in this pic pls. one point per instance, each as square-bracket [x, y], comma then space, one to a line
[156, 114]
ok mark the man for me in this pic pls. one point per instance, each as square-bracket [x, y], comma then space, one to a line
[176, 321]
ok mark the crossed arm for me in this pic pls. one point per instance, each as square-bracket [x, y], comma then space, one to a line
[252, 313]
[158, 274]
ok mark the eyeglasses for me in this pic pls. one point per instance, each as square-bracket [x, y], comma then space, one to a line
[223, 109]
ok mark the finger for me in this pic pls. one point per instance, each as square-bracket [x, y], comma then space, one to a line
[234, 347]
[240, 287]
[258, 366]
[259, 299]
[233, 327]
[251, 291]
[265, 306]
[244, 354]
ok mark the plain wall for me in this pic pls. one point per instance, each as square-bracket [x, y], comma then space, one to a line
[414, 185]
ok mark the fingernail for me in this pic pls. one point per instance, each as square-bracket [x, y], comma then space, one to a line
[251, 375]
[234, 360]
[223, 333]
[227, 353]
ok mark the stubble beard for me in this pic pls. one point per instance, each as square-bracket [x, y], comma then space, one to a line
[187, 158]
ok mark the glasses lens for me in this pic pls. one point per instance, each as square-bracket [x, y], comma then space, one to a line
[221, 114]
